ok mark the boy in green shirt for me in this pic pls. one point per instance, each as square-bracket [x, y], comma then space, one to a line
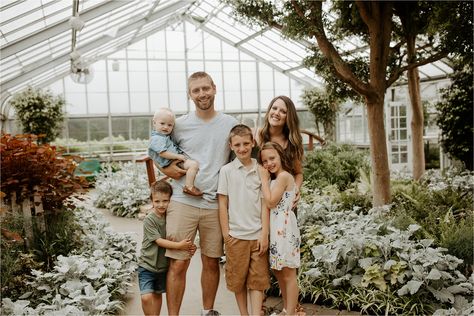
[152, 264]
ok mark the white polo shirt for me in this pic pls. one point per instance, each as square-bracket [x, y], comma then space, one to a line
[243, 189]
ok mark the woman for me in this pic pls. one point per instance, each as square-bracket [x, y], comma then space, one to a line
[281, 125]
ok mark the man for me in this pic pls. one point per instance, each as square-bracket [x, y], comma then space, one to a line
[202, 135]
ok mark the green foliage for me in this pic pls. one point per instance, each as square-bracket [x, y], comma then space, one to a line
[456, 113]
[59, 239]
[40, 112]
[443, 206]
[324, 107]
[122, 191]
[92, 280]
[360, 262]
[27, 167]
[334, 164]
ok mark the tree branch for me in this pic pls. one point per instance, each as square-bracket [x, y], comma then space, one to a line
[394, 77]
[341, 69]
[364, 12]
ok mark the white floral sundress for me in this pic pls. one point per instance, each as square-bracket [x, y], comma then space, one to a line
[284, 234]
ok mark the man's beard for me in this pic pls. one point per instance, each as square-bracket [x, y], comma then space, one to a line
[205, 106]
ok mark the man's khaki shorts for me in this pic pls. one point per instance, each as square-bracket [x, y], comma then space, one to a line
[182, 221]
[244, 267]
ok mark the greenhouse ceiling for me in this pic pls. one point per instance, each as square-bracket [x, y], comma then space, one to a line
[39, 39]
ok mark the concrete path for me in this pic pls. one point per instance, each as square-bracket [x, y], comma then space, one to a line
[192, 303]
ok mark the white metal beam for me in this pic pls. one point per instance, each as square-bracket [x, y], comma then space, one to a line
[303, 81]
[58, 28]
[48, 62]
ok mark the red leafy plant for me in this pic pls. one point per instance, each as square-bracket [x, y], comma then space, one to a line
[28, 167]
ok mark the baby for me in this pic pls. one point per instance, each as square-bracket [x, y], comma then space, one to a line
[163, 150]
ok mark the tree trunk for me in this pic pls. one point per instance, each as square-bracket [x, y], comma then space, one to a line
[417, 123]
[378, 153]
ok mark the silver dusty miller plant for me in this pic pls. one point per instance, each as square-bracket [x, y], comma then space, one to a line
[90, 281]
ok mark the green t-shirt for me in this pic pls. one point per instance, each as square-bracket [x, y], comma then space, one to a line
[152, 257]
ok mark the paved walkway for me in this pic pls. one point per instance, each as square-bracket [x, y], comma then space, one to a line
[225, 300]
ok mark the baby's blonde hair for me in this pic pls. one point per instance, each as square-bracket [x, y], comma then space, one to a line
[161, 110]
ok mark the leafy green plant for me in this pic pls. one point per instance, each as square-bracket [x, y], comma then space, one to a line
[442, 204]
[335, 164]
[122, 191]
[58, 240]
[324, 107]
[359, 261]
[456, 112]
[91, 280]
[40, 112]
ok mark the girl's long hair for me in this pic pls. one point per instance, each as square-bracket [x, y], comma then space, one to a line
[285, 162]
[291, 130]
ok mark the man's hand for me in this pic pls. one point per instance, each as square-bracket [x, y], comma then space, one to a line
[173, 171]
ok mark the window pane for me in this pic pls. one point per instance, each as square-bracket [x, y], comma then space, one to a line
[97, 103]
[119, 102]
[77, 129]
[139, 102]
[120, 127]
[99, 128]
[140, 127]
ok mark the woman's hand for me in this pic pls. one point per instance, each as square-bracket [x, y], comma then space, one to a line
[264, 174]
[297, 197]
[173, 171]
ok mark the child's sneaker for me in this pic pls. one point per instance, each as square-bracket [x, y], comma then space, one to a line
[192, 191]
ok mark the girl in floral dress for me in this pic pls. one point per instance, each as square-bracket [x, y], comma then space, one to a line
[279, 189]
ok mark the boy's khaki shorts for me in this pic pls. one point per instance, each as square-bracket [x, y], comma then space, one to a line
[244, 267]
[182, 221]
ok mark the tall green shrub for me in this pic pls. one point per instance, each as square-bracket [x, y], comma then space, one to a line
[336, 164]
[40, 112]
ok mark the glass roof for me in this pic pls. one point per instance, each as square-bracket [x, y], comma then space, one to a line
[36, 38]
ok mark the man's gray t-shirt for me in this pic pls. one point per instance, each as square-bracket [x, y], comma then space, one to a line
[207, 142]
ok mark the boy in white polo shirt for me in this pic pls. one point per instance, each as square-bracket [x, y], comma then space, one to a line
[244, 222]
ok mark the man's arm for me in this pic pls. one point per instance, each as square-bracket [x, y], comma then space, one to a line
[172, 170]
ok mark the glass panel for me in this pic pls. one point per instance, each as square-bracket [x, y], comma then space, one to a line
[98, 128]
[99, 83]
[140, 127]
[139, 102]
[98, 103]
[76, 103]
[403, 122]
[403, 111]
[403, 134]
[158, 100]
[118, 102]
[404, 158]
[175, 44]
[120, 127]
[77, 129]
[395, 158]
[138, 81]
